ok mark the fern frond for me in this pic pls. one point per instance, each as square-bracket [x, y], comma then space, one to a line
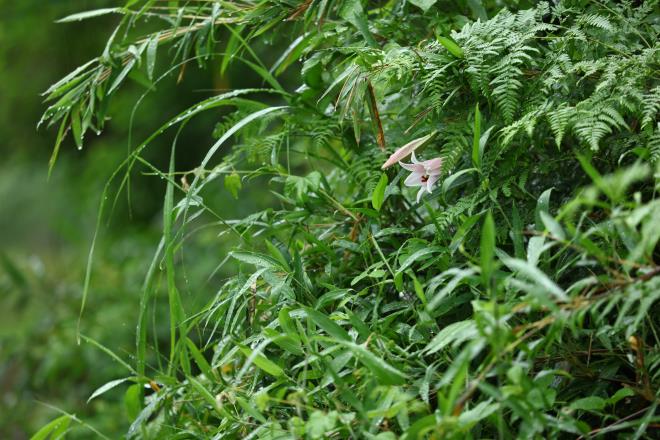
[654, 145]
[651, 106]
[559, 120]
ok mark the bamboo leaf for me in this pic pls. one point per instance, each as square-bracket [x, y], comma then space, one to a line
[90, 14]
[330, 327]
[476, 151]
[108, 386]
[378, 194]
[262, 362]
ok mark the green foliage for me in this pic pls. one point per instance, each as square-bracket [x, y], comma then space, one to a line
[518, 300]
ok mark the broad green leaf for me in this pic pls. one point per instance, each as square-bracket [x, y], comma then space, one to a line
[353, 12]
[535, 248]
[51, 427]
[621, 394]
[479, 412]
[133, 400]
[320, 423]
[286, 323]
[277, 254]
[591, 403]
[424, 5]
[478, 9]
[456, 180]
[452, 47]
[233, 184]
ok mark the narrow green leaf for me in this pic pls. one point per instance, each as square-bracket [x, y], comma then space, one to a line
[122, 75]
[287, 342]
[199, 359]
[262, 362]
[543, 204]
[251, 410]
[90, 14]
[516, 233]
[487, 249]
[206, 394]
[384, 372]
[327, 324]
[108, 386]
[76, 127]
[418, 255]
[174, 300]
[58, 142]
[152, 50]
[378, 195]
[291, 54]
[476, 156]
[353, 12]
[231, 48]
[107, 351]
[458, 331]
[536, 276]
[46, 430]
[256, 259]
[552, 225]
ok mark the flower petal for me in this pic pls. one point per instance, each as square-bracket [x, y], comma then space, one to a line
[404, 151]
[433, 166]
[420, 193]
[414, 179]
[414, 167]
[433, 178]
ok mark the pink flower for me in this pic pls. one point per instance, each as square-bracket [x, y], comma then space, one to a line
[407, 149]
[423, 174]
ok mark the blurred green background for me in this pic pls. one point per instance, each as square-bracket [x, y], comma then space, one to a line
[46, 225]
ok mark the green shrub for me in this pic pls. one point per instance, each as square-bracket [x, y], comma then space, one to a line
[516, 298]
